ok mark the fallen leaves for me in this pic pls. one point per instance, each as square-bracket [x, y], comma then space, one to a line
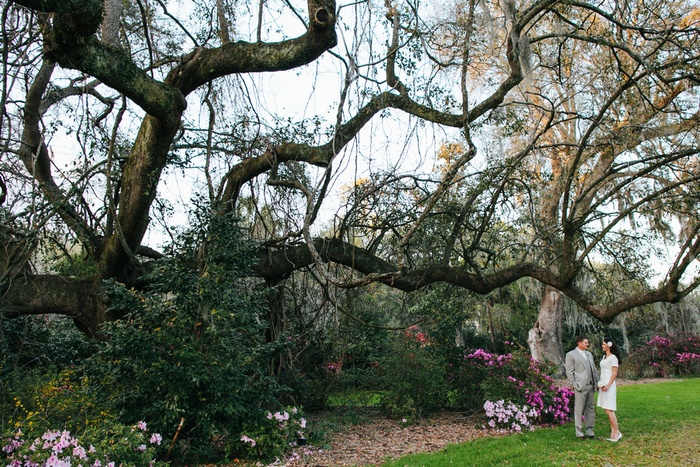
[375, 440]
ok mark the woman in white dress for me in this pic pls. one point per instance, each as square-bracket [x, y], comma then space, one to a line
[607, 397]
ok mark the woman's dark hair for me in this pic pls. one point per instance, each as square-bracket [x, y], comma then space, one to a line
[614, 349]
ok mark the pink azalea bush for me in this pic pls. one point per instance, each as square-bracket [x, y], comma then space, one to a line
[506, 416]
[663, 357]
[130, 447]
[515, 390]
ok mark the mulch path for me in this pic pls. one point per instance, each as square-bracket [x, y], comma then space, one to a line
[375, 440]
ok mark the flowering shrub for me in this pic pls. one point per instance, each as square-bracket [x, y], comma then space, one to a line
[131, 446]
[44, 400]
[686, 358]
[413, 334]
[334, 368]
[664, 357]
[552, 406]
[531, 396]
[481, 357]
[506, 416]
[271, 436]
[480, 377]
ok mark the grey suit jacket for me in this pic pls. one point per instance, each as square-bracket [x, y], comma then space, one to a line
[581, 369]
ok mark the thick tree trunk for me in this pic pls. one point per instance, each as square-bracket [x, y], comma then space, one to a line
[625, 338]
[544, 338]
[80, 299]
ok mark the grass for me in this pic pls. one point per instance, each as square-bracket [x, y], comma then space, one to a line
[660, 423]
[354, 398]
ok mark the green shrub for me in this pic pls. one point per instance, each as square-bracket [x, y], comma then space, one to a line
[44, 399]
[269, 435]
[191, 347]
[39, 341]
[413, 377]
[339, 356]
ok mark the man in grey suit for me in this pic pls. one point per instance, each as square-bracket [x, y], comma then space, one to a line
[583, 376]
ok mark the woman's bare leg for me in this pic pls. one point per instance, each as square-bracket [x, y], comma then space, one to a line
[614, 430]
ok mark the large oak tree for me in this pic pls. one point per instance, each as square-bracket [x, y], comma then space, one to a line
[570, 127]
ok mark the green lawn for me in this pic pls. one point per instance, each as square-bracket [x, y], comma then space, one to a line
[660, 423]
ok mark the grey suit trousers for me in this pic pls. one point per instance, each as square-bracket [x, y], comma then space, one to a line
[584, 410]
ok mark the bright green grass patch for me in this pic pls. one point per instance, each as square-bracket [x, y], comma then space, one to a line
[354, 398]
[660, 423]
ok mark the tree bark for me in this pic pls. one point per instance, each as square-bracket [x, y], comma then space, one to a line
[545, 336]
[80, 299]
[110, 23]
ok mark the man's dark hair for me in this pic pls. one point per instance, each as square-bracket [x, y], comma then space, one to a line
[580, 339]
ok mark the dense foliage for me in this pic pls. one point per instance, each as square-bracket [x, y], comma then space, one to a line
[198, 354]
[413, 376]
[419, 378]
[190, 357]
[661, 357]
[529, 151]
[198, 366]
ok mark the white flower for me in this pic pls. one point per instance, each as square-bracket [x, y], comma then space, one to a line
[247, 439]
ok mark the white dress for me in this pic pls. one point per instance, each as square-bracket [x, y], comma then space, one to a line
[608, 399]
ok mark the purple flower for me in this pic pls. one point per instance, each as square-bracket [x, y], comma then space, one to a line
[79, 452]
[156, 439]
[50, 435]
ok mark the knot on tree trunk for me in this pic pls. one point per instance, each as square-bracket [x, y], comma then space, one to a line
[323, 18]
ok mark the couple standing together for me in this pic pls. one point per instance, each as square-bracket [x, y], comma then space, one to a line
[582, 374]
